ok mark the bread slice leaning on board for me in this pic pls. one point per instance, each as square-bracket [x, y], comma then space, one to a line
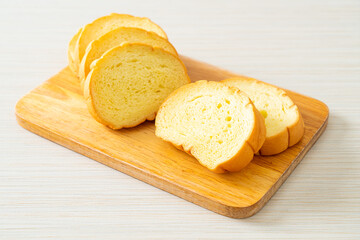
[217, 124]
[127, 85]
[117, 37]
[102, 25]
[284, 123]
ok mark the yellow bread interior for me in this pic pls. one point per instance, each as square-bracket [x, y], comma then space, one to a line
[105, 24]
[117, 37]
[216, 124]
[282, 116]
[129, 82]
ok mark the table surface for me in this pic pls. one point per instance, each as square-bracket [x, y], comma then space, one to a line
[312, 47]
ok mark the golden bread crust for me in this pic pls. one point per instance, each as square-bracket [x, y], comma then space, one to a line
[80, 48]
[71, 51]
[296, 131]
[275, 144]
[286, 138]
[251, 146]
[88, 58]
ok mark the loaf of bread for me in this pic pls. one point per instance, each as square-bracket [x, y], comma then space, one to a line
[105, 24]
[117, 37]
[71, 51]
[217, 124]
[128, 83]
[284, 123]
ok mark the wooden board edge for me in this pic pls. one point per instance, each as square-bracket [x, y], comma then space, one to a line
[256, 207]
[128, 169]
[162, 183]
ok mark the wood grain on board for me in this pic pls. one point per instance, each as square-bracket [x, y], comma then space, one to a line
[56, 110]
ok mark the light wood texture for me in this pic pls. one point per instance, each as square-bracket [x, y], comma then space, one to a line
[311, 47]
[56, 110]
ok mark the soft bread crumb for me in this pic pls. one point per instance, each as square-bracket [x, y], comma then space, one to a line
[129, 82]
[216, 124]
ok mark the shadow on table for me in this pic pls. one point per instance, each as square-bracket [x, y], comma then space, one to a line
[321, 183]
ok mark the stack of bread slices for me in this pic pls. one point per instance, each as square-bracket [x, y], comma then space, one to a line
[223, 124]
[126, 68]
[129, 72]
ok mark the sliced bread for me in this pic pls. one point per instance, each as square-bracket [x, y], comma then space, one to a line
[71, 51]
[284, 123]
[128, 83]
[116, 37]
[105, 24]
[217, 124]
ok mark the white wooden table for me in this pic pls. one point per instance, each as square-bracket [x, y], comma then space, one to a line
[312, 47]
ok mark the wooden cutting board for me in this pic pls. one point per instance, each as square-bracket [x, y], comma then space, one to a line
[56, 110]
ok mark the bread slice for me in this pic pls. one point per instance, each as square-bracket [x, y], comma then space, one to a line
[284, 123]
[116, 37]
[71, 51]
[217, 124]
[128, 83]
[105, 24]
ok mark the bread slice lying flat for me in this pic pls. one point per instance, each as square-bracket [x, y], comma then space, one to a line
[128, 83]
[116, 37]
[217, 124]
[105, 24]
[71, 51]
[284, 123]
